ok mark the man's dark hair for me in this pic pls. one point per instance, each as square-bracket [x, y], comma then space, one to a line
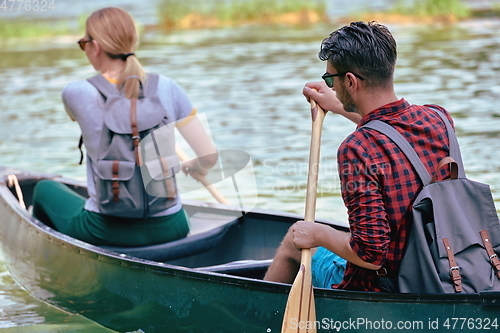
[367, 49]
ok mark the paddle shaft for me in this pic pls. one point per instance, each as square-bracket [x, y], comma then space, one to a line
[300, 307]
[318, 116]
[210, 187]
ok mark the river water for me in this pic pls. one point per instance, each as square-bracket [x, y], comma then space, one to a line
[247, 83]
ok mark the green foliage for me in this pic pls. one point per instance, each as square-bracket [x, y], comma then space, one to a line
[426, 8]
[256, 9]
[31, 28]
[24, 28]
[171, 12]
[234, 11]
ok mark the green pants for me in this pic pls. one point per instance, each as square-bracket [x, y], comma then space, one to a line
[63, 209]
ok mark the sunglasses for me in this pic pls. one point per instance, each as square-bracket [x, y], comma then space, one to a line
[82, 43]
[329, 77]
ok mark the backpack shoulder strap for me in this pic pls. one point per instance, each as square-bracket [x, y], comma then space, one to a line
[104, 86]
[403, 144]
[151, 88]
[454, 146]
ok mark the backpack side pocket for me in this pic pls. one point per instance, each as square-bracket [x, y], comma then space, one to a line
[114, 188]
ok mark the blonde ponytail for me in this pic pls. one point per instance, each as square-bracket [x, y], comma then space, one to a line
[115, 30]
[131, 86]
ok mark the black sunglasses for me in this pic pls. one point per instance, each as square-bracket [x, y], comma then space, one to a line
[329, 77]
[82, 43]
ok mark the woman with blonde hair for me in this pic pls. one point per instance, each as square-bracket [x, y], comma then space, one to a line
[109, 44]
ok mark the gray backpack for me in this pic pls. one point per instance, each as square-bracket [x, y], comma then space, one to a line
[136, 166]
[455, 234]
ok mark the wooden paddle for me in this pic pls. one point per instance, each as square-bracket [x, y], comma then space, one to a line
[300, 311]
[210, 187]
[13, 182]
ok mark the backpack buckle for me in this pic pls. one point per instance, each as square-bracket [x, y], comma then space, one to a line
[495, 262]
[456, 278]
[454, 269]
[382, 272]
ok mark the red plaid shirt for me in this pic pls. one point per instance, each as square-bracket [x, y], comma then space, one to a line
[379, 185]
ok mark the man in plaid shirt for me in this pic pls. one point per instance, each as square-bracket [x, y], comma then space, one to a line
[378, 182]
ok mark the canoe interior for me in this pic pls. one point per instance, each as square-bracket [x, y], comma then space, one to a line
[245, 249]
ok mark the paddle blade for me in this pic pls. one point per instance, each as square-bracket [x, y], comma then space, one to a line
[300, 311]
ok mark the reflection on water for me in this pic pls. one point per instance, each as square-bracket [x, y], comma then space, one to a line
[248, 81]
[20, 313]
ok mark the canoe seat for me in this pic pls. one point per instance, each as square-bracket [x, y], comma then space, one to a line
[244, 268]
[206, 231]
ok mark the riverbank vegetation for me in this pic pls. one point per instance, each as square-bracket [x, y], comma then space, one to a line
[23, 28]
[446, 9]
[194, 14]
[14, 30]
[422, 11]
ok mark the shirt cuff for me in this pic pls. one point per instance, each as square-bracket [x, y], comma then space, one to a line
[185, 121]
[365, 256]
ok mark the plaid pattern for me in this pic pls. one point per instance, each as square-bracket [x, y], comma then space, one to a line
[379, 185]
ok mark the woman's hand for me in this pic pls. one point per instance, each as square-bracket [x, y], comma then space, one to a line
[194, 169]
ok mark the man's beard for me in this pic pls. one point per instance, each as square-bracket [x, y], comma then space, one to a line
[347, 101]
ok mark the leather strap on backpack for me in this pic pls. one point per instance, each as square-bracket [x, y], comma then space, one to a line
[115, 185]
[135, 131]
[495, 262]
[453, 168]
[454, 269]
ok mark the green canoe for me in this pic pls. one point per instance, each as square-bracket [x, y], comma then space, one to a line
[207, 282]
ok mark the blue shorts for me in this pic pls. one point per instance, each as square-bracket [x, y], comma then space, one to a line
[327, 268]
